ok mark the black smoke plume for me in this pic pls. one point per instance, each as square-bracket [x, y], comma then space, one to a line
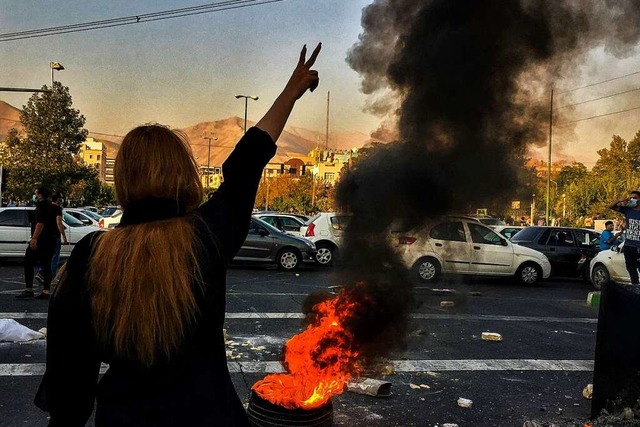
[469, 82]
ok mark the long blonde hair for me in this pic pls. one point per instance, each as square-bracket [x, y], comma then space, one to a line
[142, 276]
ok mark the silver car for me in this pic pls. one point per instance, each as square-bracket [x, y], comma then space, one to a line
[267, 244]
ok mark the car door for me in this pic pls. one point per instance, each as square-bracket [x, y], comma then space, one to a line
[490, 254]
[14, 232]
[258, 245]
[563, 252]
[449, 241]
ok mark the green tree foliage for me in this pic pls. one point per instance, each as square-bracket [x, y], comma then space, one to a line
[293, 193]
[45, 153]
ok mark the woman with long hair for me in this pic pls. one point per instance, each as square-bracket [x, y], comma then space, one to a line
[148, 298]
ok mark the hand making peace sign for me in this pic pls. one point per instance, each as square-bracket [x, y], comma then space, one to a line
[303, 76]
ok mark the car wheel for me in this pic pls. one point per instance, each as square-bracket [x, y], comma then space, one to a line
[324, 256]
[427, 269]
[529, 274]
[600, 276]
[288, 259]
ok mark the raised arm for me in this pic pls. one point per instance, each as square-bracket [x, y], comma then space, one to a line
[619, 205]
[303, 78]
[228, 211]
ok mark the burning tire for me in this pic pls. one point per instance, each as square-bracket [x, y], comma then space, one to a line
[600, 276]
[529, 273]
[427, 269]
[288, 259]
[325, 254]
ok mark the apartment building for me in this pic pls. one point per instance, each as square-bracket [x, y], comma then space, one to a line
[94, 154]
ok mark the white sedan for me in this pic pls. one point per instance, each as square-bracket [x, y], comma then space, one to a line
[456, 245]
[608, 266]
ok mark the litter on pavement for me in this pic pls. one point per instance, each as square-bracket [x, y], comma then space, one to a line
[12, 331]
[465, 403]
[370, 387]
[491, 336]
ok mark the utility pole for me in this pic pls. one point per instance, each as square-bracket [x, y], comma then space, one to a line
[209, 138]
[246, 107]
[549, 160]
[326, 143]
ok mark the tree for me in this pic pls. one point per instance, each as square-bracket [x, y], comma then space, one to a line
[45, 153]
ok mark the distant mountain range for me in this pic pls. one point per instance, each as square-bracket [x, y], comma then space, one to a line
[293, 142]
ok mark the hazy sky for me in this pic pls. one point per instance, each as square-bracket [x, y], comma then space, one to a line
[187, 70]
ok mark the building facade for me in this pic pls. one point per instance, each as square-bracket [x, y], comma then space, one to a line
[94, 154]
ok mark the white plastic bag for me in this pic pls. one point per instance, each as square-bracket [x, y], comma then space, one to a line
[12, 331]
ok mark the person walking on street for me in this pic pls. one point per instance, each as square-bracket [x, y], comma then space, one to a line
[41, 246]
[630, 208]
[608, 238]
[148, 297]
[56, 211]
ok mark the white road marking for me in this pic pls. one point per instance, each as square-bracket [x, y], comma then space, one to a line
[408, 366]
[422, 316]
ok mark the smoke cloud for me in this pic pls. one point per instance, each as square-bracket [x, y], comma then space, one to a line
[472, 81]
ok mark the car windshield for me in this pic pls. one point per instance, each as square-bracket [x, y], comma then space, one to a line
[71, 221]
[312, 219]
[92, 215]
[526, 234]
[491, 221]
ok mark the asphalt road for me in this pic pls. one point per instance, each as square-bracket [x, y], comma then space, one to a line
[537, 372]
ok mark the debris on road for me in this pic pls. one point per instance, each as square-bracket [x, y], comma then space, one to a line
[12, 331]
[588, 391]
[370, 387]
[531, 423]
[475, 294]
[593, 299]
[414, 386]
[449, 425]
[447, 304]
[491, 336]
[465, 403]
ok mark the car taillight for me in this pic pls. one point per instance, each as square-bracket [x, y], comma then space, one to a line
[310, 232]
[406, 240]
[101, 223]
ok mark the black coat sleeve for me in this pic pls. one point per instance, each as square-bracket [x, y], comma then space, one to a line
[68, 388]
[228, 211]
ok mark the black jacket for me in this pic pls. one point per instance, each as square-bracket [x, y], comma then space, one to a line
[193, 388]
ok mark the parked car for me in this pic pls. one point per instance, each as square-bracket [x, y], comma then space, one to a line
[110, 210]
[283, 222]
[15, 231]
[84, 216]
[507, 231]
[325, 230]
[569, 249]
[267, 244]
[456, 245]
[607, 266]
[111, 221]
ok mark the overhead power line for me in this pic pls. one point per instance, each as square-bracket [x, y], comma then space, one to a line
[134, 19]
[599, 115]
[599, 98]
[600, 82]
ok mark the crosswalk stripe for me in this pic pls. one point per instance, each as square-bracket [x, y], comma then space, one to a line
[404, 366]
[486, 317]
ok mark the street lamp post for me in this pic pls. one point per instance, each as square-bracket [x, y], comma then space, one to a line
[55, 66]
[246, 106]
[209, 138]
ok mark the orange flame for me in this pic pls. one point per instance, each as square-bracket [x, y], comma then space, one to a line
[318, 362]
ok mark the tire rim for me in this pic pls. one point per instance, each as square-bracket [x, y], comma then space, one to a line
[529, 274]
[600, 277]
[288, 260]
[323, 256]
[427, 270]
